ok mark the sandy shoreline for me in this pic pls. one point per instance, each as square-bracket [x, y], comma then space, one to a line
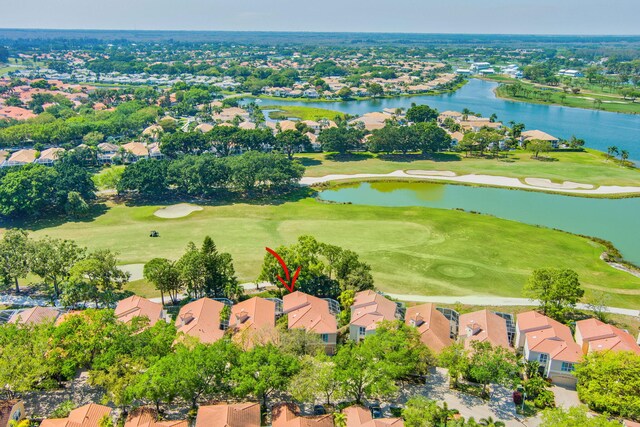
[540, 184]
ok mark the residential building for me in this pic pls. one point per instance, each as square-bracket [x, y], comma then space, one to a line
[3, 157]
[34, 316]
[136, 306]
[11, 411]
[483, 326]
[107, 152]
[229, 415]
[288, 415]
[434, 328]
[550, 343]
[49, 156]
[538, 134]
[359, 416]
[477, 67]
[153, 132]
[369, 308]
[372, 121]
[135, 151]
[16, 113]
[593, 335]
[253, 321]
[147, 417]
[22, 157]
[201, 319]
[312, 314]
[84, 416]
[204, 127]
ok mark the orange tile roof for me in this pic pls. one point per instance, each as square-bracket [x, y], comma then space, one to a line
[51, 154]
[600, 336]
[201, 319]
[308, 312]
[253, 321]
[546, 335]
[147, 417]
[224, 415]
[136, 148]
[136, 306]
[358, 416]
[287, 415]
[369, 308]
[486, 326]
[434, 328]
[35, 315]
[84, 416]
[16, 113]
[23, 156]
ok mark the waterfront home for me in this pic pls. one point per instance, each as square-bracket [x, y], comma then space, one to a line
[22, 157]
[34, 316]
[593, 335]
[11, 411]
[148, 417]
[369, 308]
[372, 121]
[477, 123]
[89, 415]
[49, 156]
[453, 115]
[229, 415]
[201, 319]
[551, 344]
[359, 416]
[228, 114]
[253, 321]
[483, 326]
[538, 134]
[136, 306]
[433, 327]
[288, 415]
[135, 151]
[312, 314]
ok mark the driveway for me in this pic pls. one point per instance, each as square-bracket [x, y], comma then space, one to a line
[565, 398]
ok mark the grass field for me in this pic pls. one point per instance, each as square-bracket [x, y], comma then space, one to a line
[302, 113]
[411, 250]
[589, 167]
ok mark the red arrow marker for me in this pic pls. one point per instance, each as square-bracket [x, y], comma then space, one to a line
[285, 283]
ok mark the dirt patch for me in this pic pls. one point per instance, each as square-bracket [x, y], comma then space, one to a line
[177, 211]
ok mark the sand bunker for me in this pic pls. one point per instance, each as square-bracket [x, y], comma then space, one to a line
[430, 173]
[567, 185]
[177, 211]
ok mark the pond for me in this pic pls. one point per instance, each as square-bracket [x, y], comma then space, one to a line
[616, 220]
[600, 129]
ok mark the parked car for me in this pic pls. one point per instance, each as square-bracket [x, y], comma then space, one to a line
[376, 410]
[319, 410]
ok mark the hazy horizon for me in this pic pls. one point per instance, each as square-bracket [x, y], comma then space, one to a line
[499, 17]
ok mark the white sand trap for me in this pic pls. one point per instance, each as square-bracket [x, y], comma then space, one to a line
[430, 173]
[567, 185]
[177, 211]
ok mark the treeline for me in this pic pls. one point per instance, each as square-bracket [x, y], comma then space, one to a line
[36, 190]
[208, 176]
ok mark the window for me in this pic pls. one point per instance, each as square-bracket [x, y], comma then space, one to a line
[325, 338]
[362, 330]
[543, 358]
[567, 367]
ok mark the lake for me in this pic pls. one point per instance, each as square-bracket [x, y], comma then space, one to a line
[599, 129]
[615, 220]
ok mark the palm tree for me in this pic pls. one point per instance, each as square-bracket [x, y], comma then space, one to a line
[624, 155]
[490, 422]
[340, 419]
[611, 151]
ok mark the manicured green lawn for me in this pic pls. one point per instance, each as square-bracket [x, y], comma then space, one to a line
[588, 167]
[411, 250]
[302, 113]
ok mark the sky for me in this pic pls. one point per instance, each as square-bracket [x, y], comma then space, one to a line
[406, 16]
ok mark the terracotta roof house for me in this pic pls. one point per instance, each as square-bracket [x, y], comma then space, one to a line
[287, 415]
[204, 127]
[225, 415]
[253, 322]
[434, 328]
[153, 132]
[369, 308]
[11, 410]
[312, 314]
[22, 157]
[107, 152]
[538, 134]
[136, 151]
[594, 335]
[84, 416]
[201, 319]
[34, 316]
[372, 121]
[16, 113]
[50, 156]
[247, 125]
[136, 306]
[550, 343]
[483, 326]
[147, 417]
[358, 416]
